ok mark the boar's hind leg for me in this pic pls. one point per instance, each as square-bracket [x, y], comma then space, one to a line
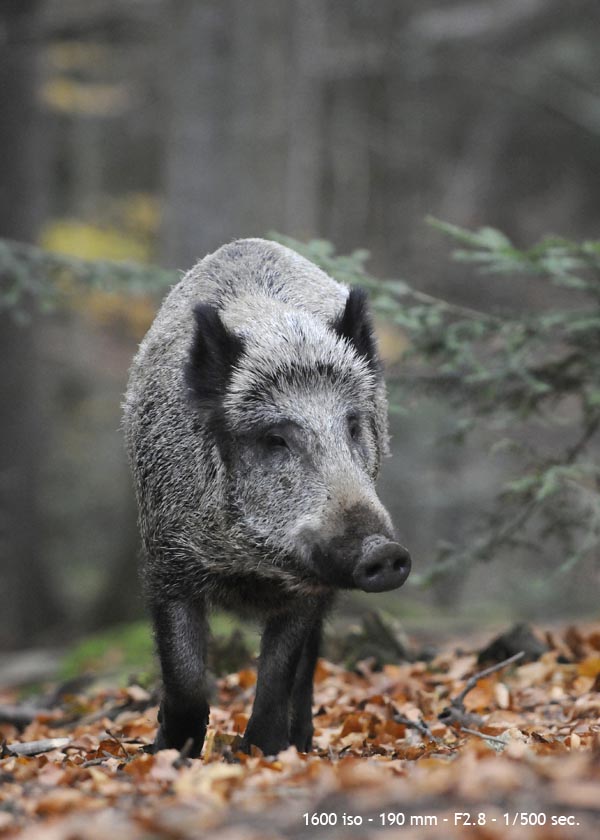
[281, 647]
[301, 725]
[181, 633]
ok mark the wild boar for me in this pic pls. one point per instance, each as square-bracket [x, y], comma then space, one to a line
[255, 420]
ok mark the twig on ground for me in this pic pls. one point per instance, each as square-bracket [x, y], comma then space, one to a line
[118, 741]
[455, 713]
[483, 736]
[420, 726]
[458, 701]
[94, 762]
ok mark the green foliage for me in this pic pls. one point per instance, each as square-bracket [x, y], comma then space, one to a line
[528, 378]
[34, 279]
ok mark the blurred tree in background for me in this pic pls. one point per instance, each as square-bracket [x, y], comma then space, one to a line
[31, 608]
[155, 131]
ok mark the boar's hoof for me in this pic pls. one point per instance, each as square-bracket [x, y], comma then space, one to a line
[384, 565]
[301, 734]
[269, 742]
[192, 746]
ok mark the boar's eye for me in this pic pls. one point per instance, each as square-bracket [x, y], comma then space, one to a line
[353, 426]
[275, 442]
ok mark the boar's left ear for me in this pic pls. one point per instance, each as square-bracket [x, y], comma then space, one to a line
[356, 326]
[213, 353]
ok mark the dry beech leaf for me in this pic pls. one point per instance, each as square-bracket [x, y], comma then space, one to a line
[246, 678]
[481, 698]
[502, 696]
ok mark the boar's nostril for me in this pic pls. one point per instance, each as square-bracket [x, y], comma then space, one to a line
[384, 565]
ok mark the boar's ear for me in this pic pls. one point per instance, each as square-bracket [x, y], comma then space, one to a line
[355, 325]
[213, 353]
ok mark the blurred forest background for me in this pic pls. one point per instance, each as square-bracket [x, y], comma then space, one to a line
[156, 130]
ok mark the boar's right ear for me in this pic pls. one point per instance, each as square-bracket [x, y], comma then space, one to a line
[213, 353]
[354, 324]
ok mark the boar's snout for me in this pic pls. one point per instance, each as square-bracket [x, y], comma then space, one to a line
[383, 565]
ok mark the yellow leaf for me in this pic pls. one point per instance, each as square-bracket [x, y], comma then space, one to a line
[590, 666]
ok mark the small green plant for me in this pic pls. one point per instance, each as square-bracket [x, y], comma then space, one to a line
[128, 650]
[125, 649]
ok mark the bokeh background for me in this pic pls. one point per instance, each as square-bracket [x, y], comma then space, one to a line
[156, 130]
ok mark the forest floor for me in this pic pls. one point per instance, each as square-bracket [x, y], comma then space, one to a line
[453, 746]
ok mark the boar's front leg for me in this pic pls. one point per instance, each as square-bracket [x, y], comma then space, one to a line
[181, 633]
[280, 651]
[301, 725]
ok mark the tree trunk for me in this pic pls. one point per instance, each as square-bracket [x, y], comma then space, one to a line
[199, 196]
[28, 609]
[303, 177]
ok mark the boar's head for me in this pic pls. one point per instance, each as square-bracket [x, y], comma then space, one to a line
[297, 411]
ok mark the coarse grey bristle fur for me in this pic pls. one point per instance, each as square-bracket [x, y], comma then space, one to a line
[204, 530]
